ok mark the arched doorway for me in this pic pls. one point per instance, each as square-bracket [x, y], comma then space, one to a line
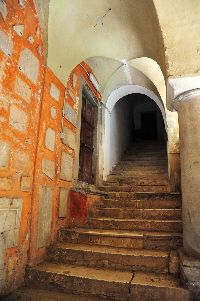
[125, 113]
[147, 119]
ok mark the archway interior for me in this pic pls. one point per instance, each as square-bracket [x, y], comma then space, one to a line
[135, 117]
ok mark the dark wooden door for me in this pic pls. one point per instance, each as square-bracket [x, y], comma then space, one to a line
[86, 142]
[149, 126]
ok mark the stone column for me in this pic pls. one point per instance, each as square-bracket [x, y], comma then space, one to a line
[188, 106]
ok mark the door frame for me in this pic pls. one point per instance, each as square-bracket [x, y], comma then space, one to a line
[84, 88]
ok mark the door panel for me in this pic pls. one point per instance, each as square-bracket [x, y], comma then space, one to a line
[86, 142]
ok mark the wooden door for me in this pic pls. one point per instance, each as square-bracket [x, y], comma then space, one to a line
[86, 142]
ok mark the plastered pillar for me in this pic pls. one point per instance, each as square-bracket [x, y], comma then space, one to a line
[173, 150]
[188, 106]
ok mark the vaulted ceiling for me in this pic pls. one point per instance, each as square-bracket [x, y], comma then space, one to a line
[158, 37]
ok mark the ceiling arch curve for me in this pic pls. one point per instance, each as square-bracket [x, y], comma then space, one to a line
[131, 89]
[116, 29]
[128, 76]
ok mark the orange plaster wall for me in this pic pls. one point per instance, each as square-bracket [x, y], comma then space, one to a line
[24, 174]
[16, 177]
[81, 70]
[77, 204]
[40, 178]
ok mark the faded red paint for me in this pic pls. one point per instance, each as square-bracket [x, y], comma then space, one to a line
[78, 208]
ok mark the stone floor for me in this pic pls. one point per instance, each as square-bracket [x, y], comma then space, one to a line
[29, 294]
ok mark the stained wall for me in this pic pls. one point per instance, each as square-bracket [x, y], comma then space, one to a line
[21, 80]
[38, 133]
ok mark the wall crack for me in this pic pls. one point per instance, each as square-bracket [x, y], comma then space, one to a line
[129, 289]
[97, 17]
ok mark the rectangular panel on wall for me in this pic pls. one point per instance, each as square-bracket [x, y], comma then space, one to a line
[70, 114]
[44, 217]
[66, 167]
[63, 201]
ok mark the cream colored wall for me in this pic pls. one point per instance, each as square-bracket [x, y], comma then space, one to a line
[152, 70]
[116, 29]
[180, 25]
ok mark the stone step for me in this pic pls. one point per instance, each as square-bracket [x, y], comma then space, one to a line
[157, 168]
[122, 178]
[80, 280]
[144, 157]
[141, 163]
[141, 195]
[162, 195]
[146, 148]
[128, 213]
[141, 174]
[146, 154]
[24, 293]
[111, 258]
[126, 239]
[118, 285]
[155, 287]
[143, 160]
[151, 203]
[138, 188]
[114, 180]
[134, 224]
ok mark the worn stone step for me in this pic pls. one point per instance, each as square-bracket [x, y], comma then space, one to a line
[140, 174]
[132, 164]
[123, 238]
[114, 180]
[142, 161]
[135, 224]
[152, 169]
[162, 195]
[80, 280]
[145, 157]
[151, 203]
[155, 287]
[146, 148]
[110, 258]
[155, 153]
[99, 282]
[127, 213]
[138, 188]
[124, 178]
[146, 154]
[24, 293]
[142, 195]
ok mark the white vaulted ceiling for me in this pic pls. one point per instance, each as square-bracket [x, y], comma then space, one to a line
[160, 38]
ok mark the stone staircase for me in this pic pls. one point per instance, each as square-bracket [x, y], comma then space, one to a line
[127, 249]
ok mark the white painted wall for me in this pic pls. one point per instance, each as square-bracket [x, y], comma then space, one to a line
[117, 133]
[121, 129]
